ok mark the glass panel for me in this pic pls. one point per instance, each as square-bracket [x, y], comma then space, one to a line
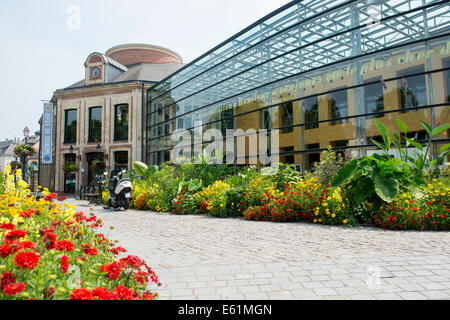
[95, 124]
[70, 129]
[307, 64]
[338, 102]
[121, 160]
[413, 88]
[121, 123]
[374, 100]
[311, 107]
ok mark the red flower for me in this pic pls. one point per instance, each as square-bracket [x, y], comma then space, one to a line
[89, 249]
[101, 293]
[6, 278]
[64, 245]
[14, 288]
[117, 250]
[124, 293]
[27, 260]
[28, 213]
[15, 234]
[148, 296]
[7, 226]
[48, 293]
[112, 269]
[27, 245]
[64, 264]
[132, 261]
[81, 294]
[62, 198]
[49, 239]
[141, 277]
[6, 250]
[50, 197]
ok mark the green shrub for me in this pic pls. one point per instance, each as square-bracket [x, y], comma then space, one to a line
[329, 165]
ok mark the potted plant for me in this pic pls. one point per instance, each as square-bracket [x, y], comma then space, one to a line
[15, 165]
[70, 167]
[24, 150]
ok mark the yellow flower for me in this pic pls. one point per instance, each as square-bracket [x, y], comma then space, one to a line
[345, 221]
[333, 215]
[325, 204]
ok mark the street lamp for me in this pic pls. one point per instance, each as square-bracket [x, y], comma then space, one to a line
[26, 133]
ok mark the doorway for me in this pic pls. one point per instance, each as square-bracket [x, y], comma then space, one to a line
[69, 174]
[121, 160]
[96, 166]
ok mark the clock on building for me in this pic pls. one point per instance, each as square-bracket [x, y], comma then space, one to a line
[95, 72]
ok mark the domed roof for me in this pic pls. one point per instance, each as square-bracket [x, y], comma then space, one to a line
[131, 54]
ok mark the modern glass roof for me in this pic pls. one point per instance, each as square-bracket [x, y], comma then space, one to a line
[302, 36]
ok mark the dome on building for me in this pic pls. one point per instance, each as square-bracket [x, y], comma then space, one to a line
[131, 54]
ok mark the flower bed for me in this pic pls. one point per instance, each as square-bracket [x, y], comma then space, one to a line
[428, 211]
[284, 196]
[49, 251]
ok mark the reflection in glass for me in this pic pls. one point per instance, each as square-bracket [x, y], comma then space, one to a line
[311, 107]
[413, 88]
[95, 124]
[286, 117]
[70, 130]
[373, 94]
[339, 107]
[121, 123]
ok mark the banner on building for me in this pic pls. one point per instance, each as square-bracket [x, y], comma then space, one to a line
[47, 121]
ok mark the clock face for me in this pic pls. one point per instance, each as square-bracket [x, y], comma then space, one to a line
[95, 73]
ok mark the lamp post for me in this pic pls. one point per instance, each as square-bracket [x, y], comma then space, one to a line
[26, 133]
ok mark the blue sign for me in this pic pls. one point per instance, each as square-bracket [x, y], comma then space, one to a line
[47, 122]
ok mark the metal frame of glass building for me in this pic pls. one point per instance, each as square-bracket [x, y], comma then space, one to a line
[319, 73]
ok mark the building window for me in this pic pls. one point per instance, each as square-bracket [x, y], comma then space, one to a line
[266, 119]
[313, 157]
[227, 121]
[339, 107]
[447, 78]
[95, 124]
[311, 112]
[288, 156]
[373, 95]
[70, 127]
[413, 88]
[69, 176]
[418, 135]
[286, 110]
[340, 144]
[121, 160]
[121, 123]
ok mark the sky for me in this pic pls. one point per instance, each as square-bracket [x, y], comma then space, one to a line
[44, 44]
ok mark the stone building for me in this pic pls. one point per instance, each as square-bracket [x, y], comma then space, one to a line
[98, 121]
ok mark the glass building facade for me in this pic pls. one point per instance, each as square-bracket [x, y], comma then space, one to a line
[318, 74]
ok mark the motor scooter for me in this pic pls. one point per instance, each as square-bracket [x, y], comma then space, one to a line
[120, 188]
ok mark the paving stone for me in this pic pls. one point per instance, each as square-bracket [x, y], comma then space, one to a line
[325, 291]
[436, 294]
[269, 287]
[302, 293]
[247, 289]
[198, 257]
[387, 296]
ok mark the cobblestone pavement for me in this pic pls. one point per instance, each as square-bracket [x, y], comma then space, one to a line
[204, 258]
